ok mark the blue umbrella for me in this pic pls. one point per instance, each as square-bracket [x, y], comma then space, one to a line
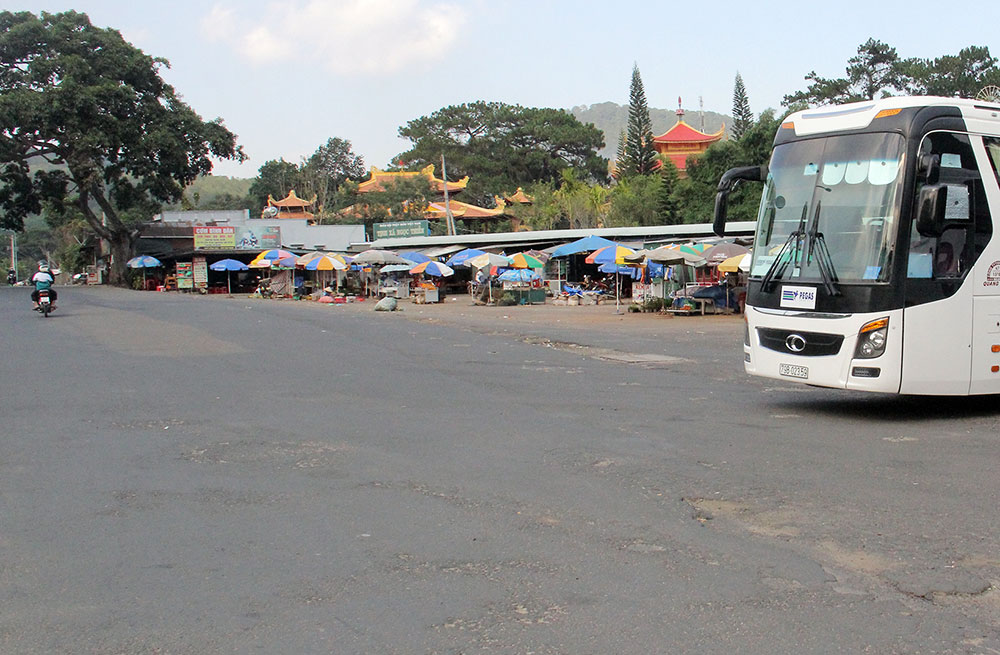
[461, 256]
[414, 256]
[630, 271]
[143, 261]
[229, 265]
[586, 244]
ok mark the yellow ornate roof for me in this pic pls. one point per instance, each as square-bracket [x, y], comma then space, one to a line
[520, 197]
[380, 178]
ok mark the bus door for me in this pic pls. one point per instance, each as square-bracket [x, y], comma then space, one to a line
[986, 283]
[938, 301]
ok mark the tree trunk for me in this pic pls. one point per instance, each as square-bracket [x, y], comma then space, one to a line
[121, 251]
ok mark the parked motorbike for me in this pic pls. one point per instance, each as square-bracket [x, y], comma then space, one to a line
[264, 289]
[45, 305]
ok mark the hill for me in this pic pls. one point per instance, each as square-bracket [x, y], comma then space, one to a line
[612, 118]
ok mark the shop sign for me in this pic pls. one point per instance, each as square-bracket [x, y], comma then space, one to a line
[214, 238]
[396, 229]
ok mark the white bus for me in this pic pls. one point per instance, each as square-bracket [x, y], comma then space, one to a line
[875, 265]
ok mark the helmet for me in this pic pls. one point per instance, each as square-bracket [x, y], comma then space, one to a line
[43, 266]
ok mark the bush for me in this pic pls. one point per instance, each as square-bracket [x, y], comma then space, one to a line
[653, 305]
[506, 300]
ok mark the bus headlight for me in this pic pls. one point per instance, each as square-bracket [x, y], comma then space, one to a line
[871, 339]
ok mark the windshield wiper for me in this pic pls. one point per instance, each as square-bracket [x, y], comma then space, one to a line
[824, 262]
[778, 266]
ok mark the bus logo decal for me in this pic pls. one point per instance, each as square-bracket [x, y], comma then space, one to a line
[798, 297]
[795, 343]
[993, 275]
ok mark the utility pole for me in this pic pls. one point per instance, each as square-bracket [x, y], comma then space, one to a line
[449, 218]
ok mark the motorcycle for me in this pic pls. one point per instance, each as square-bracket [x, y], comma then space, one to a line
[45, 305]
[12, 278]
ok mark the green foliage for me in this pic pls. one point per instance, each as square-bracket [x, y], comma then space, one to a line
[635, 200]
[695, 196]
[667, 201]
[216, 192]
[275, 179]
[639, 156]
[326, 170]
[404, 199]
[877, 71]
[502, 147]
[962, 75]
[507, 300]
[742, 116]
[119, 141]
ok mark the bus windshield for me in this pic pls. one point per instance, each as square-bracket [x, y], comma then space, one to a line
[830, 210]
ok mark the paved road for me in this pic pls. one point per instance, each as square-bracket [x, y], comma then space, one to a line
[208, 475]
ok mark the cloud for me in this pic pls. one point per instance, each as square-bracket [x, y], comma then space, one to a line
[367, 37]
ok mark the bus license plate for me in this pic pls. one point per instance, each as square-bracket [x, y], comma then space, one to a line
[792, 371]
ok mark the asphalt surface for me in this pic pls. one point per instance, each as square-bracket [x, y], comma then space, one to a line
[198, 475]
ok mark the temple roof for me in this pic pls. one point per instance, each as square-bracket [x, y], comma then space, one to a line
[520, 197]
[380, 178]
[436, 210]
[681, 132]
[291, 200]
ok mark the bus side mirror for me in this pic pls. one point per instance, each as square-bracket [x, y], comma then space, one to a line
[931, 205]
[930, 168]
[727, 183]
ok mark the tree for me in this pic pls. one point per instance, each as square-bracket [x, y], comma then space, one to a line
[962, 75]
[275, 179]
[404, 199]
[695, 196]
[502, 147]
[742, 116]
[117, 140]
[331, 165]
[666, 202]
[635, 201]
[876, 71]
[640, 155]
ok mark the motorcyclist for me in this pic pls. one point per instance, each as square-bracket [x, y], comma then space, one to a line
[43, 279]
[11, 276]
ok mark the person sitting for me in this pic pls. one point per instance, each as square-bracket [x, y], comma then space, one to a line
[43, 280]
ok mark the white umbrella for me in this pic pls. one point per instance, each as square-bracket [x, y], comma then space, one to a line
[378, 257]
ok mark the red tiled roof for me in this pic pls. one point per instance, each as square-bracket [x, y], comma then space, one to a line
[681, 132]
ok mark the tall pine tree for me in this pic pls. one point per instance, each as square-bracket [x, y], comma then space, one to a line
[620, 155]
[639, 157]
[742, 116]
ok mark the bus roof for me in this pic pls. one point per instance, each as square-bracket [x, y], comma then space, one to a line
[861, 115]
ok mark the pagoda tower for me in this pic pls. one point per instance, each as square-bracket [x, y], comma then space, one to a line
[682, 141]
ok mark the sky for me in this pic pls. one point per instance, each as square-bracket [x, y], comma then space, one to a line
[287, 75]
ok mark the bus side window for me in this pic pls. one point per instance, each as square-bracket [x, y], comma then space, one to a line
[968, 226]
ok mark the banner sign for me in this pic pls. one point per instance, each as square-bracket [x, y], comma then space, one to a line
[214, 238]
[401, 229]
[185, 275]
[200, 273]
[259, 238]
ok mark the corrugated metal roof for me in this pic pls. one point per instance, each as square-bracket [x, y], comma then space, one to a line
[549, 237]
